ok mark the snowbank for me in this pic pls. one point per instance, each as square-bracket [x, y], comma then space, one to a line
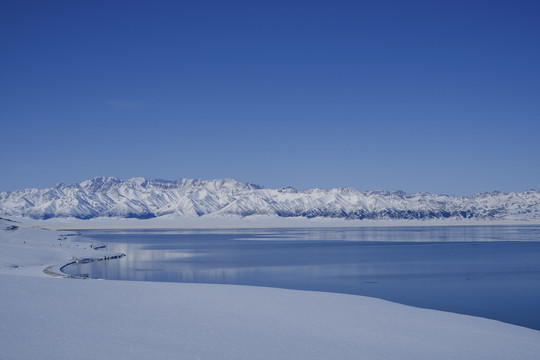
[255, 221]
[54, 318]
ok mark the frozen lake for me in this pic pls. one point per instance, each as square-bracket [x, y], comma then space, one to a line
[488, 271]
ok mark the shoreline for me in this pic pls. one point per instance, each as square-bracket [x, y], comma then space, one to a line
[50, 270]
[170, 223]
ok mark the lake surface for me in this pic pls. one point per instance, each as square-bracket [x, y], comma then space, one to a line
[487, 271]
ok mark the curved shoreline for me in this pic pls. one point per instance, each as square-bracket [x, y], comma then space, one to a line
[49, 269]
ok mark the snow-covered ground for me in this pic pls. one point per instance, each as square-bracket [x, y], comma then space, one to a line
[55, 318]
[254, 221]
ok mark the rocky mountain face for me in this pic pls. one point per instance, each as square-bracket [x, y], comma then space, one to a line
[141, 198]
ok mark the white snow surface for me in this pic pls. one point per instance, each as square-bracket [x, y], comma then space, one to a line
[42, 317]
[141, 198]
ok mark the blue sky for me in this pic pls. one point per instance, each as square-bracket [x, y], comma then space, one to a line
[437, 96]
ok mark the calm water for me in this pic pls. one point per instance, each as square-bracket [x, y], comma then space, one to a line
[491, 271]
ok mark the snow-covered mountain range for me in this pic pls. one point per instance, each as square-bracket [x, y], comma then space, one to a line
[141, 198]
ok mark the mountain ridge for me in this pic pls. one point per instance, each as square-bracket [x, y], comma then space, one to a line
[142, 198]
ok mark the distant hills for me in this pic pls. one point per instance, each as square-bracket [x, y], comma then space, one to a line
[142, 198]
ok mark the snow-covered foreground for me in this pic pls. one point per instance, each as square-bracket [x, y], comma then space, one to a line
[54, 318]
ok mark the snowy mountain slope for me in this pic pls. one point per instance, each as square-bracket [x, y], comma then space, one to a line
[141, 198]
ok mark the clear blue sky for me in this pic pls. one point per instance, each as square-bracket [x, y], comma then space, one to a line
[437, 96]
